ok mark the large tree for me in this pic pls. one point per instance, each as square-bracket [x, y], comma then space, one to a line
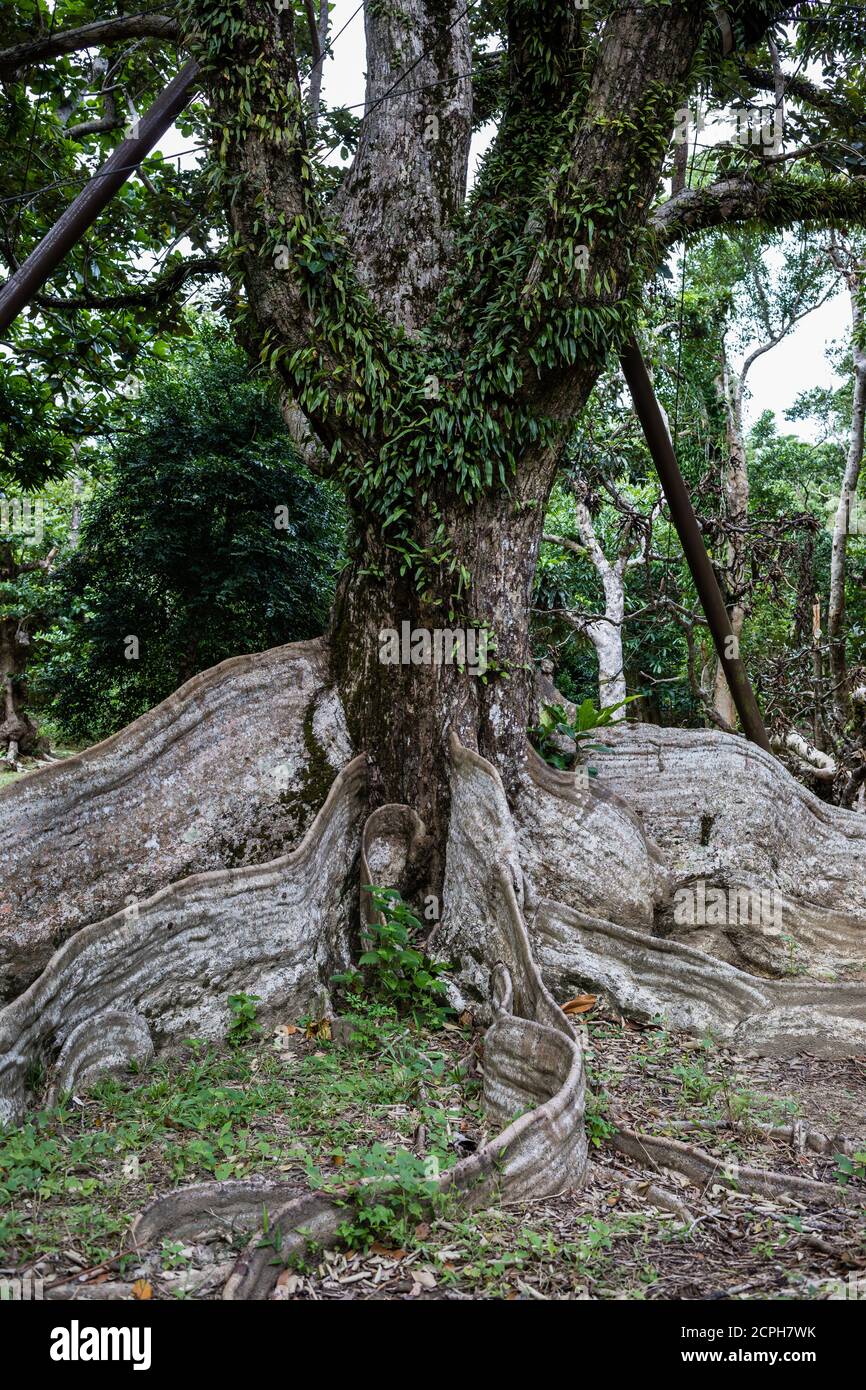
[434, 352]
[511, 305]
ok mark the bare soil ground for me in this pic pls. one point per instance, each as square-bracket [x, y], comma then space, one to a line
[298, 1104]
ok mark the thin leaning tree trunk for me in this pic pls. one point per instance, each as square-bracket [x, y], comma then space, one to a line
[842, 523]
[736, 493]
[318, 26]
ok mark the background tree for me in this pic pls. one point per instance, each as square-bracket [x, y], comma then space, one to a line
[852, 268]
[204, 538]
[435, 354]
[613, 543]
[33, 532]
[771, 303]
[359, 293]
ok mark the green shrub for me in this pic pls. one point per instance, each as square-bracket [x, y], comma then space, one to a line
[393, 970]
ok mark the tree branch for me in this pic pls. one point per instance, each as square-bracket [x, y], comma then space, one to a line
[319, 42]
[407, 185]
[158, 292]
[276, 217]
[313, 26]
[110, 120]
[775, 202]
[809, 94]
[101, 31]
[642, 66]
[98, 126]
[567, 543]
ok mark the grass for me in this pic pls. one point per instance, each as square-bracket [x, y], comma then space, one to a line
[697, 1085]
[60, 747]
[313, 1113]
[488, 1252]
[74, 1176]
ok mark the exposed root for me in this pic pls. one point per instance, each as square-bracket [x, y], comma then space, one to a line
[649, 977]
[393, 845]
[280, 930]
[705, 808]
[603, 933]
[306, 1222]
[582, 844]
[528, 1067]
[704, 1169]
[484, 893]
[654, 1195]
[533, 1067]
[796, 1134]
[98, 1046]
[236, 1204]
[283, 1218]
[229, 770]
[568, 890]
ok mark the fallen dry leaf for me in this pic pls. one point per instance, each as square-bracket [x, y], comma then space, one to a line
[318, 1030]
[580, 1004]
[142, 1289]
[283, 1033]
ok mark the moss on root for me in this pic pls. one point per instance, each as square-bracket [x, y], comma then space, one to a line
[293, 812]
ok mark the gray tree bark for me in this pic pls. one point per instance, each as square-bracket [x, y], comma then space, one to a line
[169, 895]
[855, 276]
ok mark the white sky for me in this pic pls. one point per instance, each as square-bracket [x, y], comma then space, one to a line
[795, 365]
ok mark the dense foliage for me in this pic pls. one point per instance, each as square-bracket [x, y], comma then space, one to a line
[204, 539]
[182, 454]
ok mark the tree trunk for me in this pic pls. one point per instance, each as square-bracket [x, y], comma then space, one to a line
[842, 522]
[18, 733]
[735, 491]
[606, 637]
[403, 696]
[343, 334]
[546, 881]
[606, 633]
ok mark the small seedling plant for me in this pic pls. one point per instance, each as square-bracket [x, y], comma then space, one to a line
[555, 723]
[392, 1192]
[851, 1167]
[243, 1027]
[392, 968]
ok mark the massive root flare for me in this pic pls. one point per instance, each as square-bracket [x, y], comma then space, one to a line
[574, 884]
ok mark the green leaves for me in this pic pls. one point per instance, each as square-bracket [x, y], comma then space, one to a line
[588, 717]
[851, 1168]
[392, 1193]
[554, 722]
[48, 151]
[393, 970]
[243, 1027]
[205, 538]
